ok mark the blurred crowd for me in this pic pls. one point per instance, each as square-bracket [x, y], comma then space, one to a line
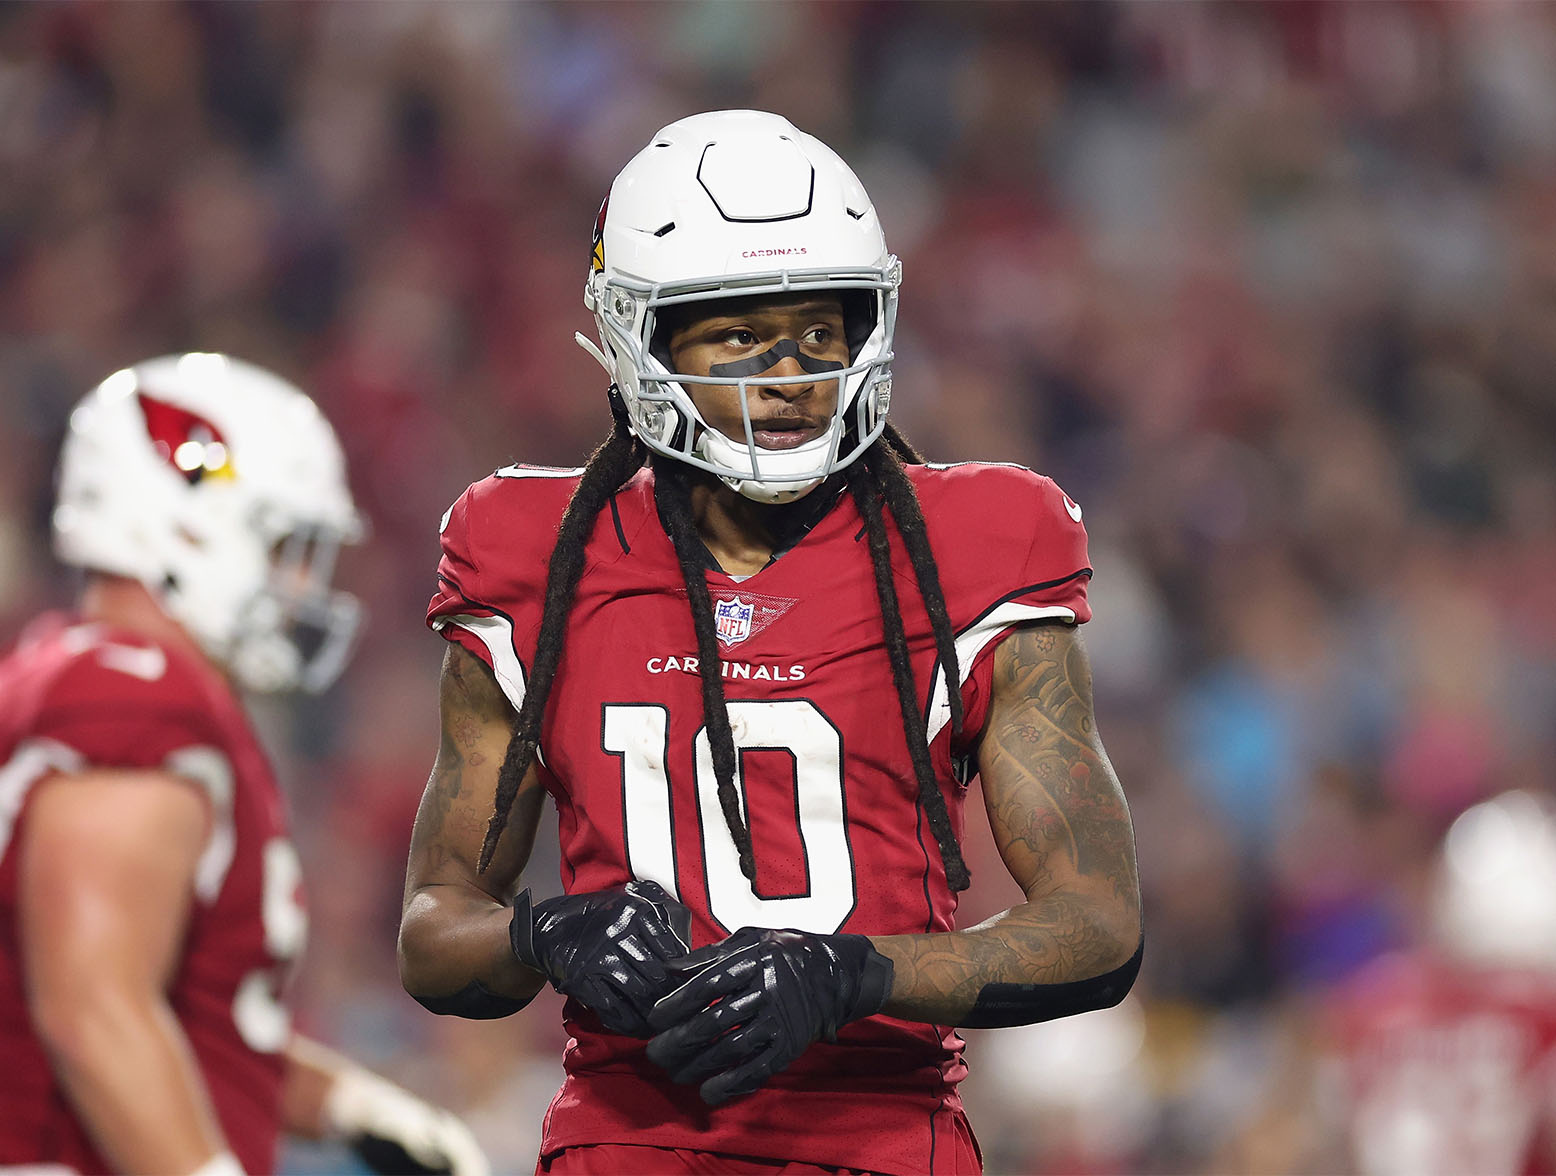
[1269, 289]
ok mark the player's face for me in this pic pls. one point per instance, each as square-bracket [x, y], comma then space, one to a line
[789, 335]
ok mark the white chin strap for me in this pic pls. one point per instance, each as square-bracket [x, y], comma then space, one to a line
[787, 474]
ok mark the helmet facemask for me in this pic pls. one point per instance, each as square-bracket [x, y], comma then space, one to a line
[296, 631]
[662, 412]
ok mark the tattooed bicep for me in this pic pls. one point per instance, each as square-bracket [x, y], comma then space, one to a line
[1042, 670]
[477, 723]
[1055, 805]
[469, 689]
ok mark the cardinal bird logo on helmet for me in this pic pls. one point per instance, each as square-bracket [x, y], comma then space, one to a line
[597, 259]
[186, 441]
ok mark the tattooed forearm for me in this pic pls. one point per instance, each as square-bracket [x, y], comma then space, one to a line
[453, 926]
[1052, 941]
[1062, 826]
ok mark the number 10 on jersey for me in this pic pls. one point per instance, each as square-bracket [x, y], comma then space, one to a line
[639, 734]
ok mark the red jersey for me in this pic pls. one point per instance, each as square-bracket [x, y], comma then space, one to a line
[74, 697]
[841, 842]
[1446, 1070]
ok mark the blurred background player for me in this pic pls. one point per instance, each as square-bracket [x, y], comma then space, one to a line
[755, 650]
[1443, 1060]
[150, 898]
[1438, 1059]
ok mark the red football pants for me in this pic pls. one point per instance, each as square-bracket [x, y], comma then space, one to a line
[626, 1159]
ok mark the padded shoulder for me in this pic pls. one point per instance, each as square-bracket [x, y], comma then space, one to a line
[497, 537]
[1000, 531]
[122, 701]
[496, 543]
[1011, 550]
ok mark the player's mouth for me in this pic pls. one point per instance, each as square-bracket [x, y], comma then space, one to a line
[785, 433]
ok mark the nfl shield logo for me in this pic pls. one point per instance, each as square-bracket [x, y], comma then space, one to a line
[732, 619]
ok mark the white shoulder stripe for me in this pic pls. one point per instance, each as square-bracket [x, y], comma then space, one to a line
[32, 760]
[36, 758]
[212, 770]
[971, 641]
[529, 471]
[956, 465]
[148, 663]
[496, 633]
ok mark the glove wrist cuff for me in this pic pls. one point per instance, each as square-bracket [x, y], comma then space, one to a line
[521, 932]
[874, 980]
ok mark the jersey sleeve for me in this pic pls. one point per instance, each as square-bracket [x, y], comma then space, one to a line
[126, 707]
[1011, 548]
[496, 542]
[119, 703]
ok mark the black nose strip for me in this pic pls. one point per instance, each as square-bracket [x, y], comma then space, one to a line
[771, 358]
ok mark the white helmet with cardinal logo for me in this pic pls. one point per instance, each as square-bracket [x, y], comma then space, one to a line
[222, 489]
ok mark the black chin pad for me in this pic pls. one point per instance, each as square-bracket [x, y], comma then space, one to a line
[784, 349]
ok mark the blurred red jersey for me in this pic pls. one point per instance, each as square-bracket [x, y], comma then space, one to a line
[841, 842]
[1444, 1070]
[74, 697]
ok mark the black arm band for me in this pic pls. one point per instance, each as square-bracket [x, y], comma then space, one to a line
[1001, 1005]
[474, 1001]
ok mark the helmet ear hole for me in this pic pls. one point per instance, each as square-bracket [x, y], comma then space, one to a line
[666, 323]
[859, 315]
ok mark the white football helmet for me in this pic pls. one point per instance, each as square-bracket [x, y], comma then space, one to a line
[1494, 895]
[740, 203]
[222, 489]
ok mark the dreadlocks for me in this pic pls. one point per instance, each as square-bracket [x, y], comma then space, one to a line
[608, 467]
[674, 497]
[877, 477]
[879, 474]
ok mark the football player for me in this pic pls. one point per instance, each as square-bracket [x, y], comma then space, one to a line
[1443, 1059]
[150, 900]
[754, 651]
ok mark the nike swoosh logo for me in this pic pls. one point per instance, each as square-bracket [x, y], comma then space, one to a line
[146, 664]
[1069, 505]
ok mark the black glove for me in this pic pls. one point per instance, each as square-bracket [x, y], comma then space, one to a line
[387, 1155]
[756, 1001]
[606, 949]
